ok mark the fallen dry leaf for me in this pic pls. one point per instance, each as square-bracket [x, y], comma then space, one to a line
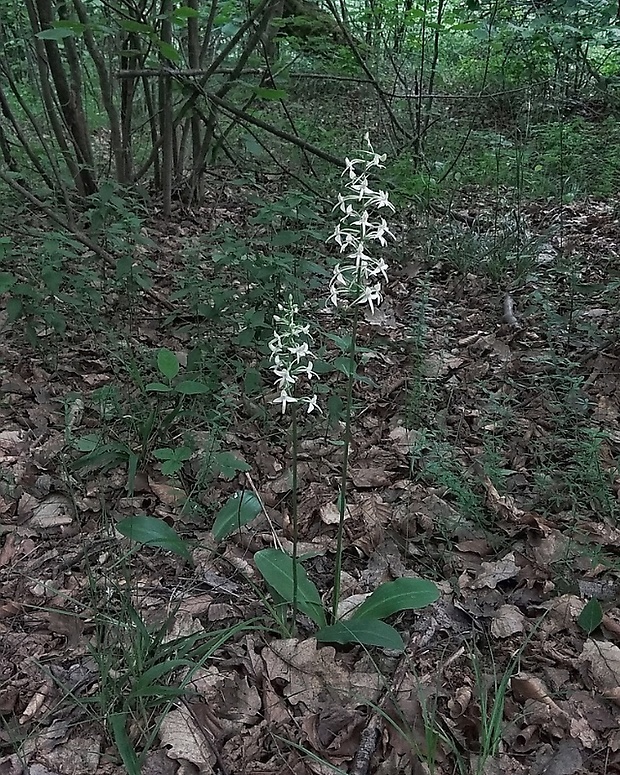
[603, 660]
[493, 573]
[507, 621]
[313, 676]
[185, 740]
[54, 511]
[458, 704]
[229, 696]
[530, 687]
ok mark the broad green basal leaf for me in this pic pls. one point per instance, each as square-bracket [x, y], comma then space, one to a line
[153, 532]
[370, 632]
[238, 510]
[276, 567]
[399, 595]
[167, 363]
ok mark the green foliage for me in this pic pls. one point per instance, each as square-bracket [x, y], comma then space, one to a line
[238, 510]
[151, 531]
[290, 583]
[399, 595]
[370, 632]
[570, 151]
[46, 287]
[591, 616]
[138, 429]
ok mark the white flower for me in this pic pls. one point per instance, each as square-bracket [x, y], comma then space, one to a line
[313, 403]
[299, 351]
[370, 295]
[284, 398]
[380, 269]
[355, 281]
[363, 222]
[307, 370]
[379, 232]
[343, 237]
[359, 256]
[275, 345]
[381, 199]
[290, 355]
[284, 377]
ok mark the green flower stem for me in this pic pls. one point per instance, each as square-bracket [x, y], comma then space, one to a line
[342, 504]
[294, 516]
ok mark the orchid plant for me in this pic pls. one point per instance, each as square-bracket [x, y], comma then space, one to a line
[356, 281]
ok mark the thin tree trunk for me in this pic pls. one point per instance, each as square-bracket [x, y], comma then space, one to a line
[434, 61]
[193, 55]
[249, 48]
[69, 102]
[48, 101]
[107, 97]
[165, 107]
[128, 91]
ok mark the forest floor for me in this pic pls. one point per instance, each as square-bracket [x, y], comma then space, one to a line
[485, 457]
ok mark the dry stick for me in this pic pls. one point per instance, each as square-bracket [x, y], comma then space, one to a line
[79, 235]
[276, 540]
[283, 135]
[370, 733]
[153, 72]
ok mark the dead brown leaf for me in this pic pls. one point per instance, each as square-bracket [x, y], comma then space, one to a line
[493, 573]
[508, 620]
[603, 661]
[312, 675]
[186, 740]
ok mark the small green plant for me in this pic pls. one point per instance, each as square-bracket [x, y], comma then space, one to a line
[163, 403]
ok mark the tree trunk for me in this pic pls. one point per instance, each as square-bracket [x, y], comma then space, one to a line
[69, 102]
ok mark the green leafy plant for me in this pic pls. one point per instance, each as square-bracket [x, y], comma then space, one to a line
[356, 282]
[164, 402]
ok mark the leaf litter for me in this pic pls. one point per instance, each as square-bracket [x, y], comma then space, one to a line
[482, 460]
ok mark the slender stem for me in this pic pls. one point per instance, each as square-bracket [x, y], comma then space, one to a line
[294, 516]
[342, 502]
